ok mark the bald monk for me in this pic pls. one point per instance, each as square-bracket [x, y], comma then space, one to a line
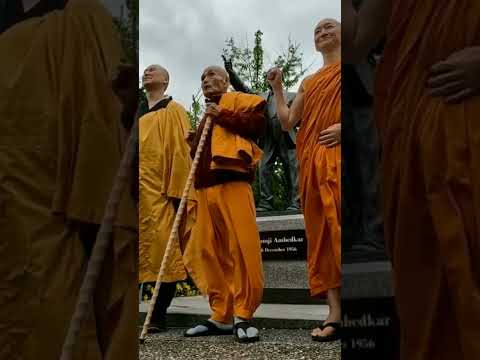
[61, 144]
[164, 168]
[223, 254]
[317, 108]
[427, 108]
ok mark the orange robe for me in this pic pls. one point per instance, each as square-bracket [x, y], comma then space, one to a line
[431, 182]
[223, 255]
[319, 181]
[164, 168]
[61, 141]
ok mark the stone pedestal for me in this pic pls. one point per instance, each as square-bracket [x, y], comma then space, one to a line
[284, 253]
[369, 319]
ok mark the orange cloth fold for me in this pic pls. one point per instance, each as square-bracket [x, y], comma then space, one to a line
[231, 151]
[61, 142]
[223, 255]
[164, 167]
[320, 179]
[431, 182]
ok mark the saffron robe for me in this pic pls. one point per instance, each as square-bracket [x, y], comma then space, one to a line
[223, 255]
[61, 142]
[319, 181]
[164, 167]
[431, 181]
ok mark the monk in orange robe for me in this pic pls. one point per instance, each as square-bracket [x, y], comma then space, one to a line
[61, 143]
[317, 108]
[427, 109]
[223, 255]
[164, 167]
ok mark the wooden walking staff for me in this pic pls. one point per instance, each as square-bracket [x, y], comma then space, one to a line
[102, 242]
[176, 224]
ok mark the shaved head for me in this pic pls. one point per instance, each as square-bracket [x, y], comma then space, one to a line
[162, 70]
[327, 20]
[215, 81]
[155, 77]
[328, 35]
[219, 70]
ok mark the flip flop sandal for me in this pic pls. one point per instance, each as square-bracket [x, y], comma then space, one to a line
[211, 330]
[244, 325]
[329, 338]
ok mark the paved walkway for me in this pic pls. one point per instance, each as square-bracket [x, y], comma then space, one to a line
[273, 345]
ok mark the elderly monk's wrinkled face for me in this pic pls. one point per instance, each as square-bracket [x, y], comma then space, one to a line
[327, 34]
[215, 82]
[155, 76]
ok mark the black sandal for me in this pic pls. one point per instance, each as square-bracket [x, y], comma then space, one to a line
[212, 330]
[244, 325]
[329, 338]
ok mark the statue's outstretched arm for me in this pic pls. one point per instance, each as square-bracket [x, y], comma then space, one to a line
[235, 80]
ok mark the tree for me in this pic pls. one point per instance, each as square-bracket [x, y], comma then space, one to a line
[249, 64]
[291, 64]
[196, 109]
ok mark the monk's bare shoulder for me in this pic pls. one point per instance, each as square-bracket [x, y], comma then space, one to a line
[302, 84]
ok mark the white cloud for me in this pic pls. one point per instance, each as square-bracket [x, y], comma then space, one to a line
[185, 36]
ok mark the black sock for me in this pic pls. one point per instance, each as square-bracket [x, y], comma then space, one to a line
[166, 293]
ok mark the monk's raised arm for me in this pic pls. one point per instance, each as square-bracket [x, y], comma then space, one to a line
[288, 116]
[363, 30]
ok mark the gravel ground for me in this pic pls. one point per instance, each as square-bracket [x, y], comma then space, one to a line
[274, 345]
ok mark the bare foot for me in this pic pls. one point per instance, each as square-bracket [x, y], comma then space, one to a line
[316, 332]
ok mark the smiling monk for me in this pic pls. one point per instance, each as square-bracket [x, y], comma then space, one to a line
[317, 107]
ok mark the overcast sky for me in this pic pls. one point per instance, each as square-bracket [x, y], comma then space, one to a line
[185, 36]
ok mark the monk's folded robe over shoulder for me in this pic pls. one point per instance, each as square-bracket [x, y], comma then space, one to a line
[164, 167]
[223, 255]
[232, 151]
[319, 181]
[239, 122]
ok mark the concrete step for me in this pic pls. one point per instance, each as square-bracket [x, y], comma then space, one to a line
[186, 311]
[290, 296]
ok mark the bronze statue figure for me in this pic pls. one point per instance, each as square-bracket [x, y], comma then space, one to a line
[276, 144]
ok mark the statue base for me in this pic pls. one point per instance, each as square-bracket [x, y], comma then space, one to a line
[370, 324]
[283, 243]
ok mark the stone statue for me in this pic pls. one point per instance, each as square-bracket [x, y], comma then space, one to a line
[276, 144]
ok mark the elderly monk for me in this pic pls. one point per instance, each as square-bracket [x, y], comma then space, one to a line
[427, 109]
[61, 144]
[223, 254]
[317, 108]
[164, 167]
